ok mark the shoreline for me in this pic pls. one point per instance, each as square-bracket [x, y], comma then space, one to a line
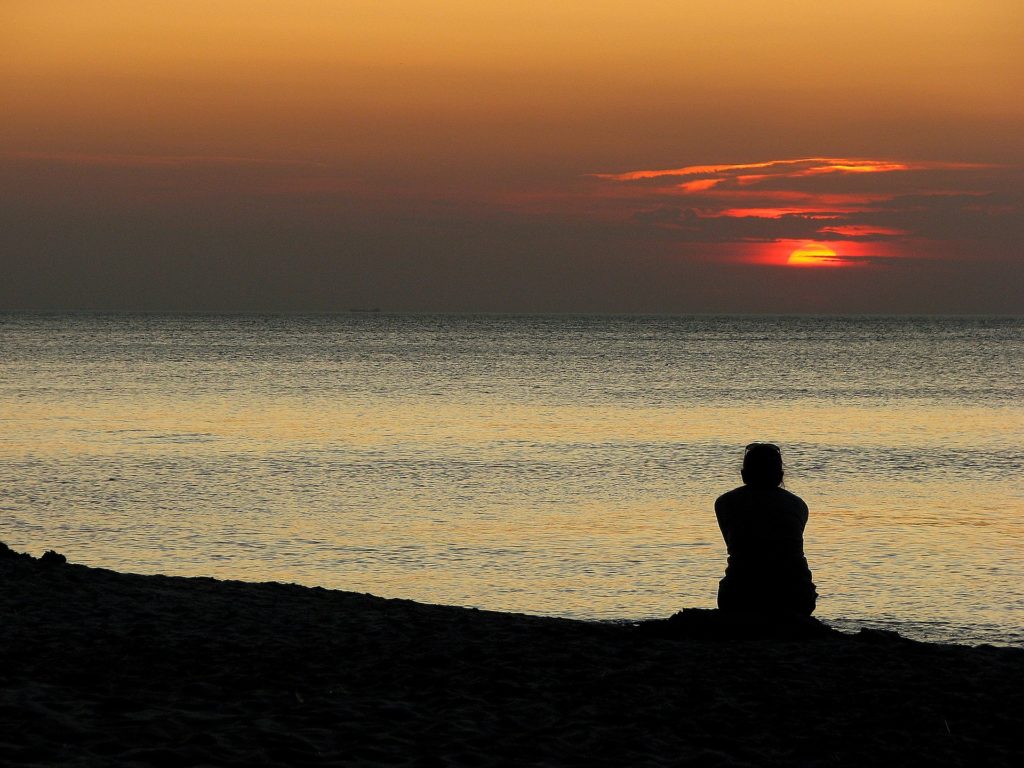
[105, 668]
[930, 632]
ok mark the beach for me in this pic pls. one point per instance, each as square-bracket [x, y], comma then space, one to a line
[105, 668]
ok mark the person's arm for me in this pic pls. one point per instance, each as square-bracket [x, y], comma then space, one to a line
[723, 517]
[804, 512]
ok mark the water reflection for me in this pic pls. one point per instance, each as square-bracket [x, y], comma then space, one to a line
[556, 467]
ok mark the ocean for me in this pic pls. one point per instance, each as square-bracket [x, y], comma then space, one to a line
[561, 465]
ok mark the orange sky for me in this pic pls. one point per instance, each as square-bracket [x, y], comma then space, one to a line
[467, 155]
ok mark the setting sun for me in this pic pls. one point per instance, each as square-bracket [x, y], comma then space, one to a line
[814, 255]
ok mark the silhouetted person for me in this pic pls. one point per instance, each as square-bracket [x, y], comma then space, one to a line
[763, 526]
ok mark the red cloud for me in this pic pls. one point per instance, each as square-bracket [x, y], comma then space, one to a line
[853, 205]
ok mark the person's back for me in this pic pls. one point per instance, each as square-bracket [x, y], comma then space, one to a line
[763, 526]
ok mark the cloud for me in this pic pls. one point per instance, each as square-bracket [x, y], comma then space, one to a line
[850, 259]
[700, 185]
[865, 231]
[670, 215]
[694, 170]
[834, 200]
[791, 168]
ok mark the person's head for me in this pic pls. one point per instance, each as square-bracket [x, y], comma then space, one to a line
[762, 465]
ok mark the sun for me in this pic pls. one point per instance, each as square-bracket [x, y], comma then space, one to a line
[813, 255]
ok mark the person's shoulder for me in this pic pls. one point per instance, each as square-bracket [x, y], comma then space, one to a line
[792, 499]
[729, 498]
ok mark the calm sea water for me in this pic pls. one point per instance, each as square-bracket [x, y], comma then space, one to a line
[559, 465]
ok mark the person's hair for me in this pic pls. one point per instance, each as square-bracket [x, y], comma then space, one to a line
[762, 465]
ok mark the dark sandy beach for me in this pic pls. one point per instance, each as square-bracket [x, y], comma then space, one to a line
[103, 668]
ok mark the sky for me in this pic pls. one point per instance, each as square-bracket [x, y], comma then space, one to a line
[580, 156]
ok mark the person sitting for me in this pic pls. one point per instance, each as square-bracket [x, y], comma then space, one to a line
[763, 525]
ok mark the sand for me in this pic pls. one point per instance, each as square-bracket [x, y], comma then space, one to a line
[100, 668]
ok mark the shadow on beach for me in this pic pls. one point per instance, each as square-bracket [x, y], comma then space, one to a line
[103, 668]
